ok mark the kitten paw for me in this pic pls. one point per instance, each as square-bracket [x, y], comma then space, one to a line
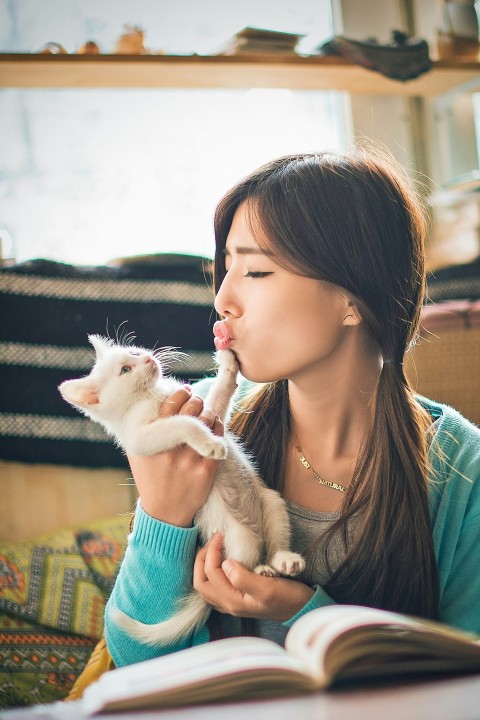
[265, 570]
[216, 449]
[227, 361]
[288, 563]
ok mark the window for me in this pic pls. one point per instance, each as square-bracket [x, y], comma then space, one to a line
[89, 175]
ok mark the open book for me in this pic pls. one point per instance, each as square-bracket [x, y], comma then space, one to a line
[331, 644]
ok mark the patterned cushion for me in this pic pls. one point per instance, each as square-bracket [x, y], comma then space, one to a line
[53, 592]
[48, 309]
[38, 664]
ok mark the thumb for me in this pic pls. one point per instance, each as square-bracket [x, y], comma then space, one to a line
[241, 578]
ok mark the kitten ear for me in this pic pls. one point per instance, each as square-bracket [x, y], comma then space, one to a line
[80, 392]
[100, 344]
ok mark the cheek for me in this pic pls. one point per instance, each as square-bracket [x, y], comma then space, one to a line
[289, 342]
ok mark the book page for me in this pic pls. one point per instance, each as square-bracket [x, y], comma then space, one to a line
[312, 634]
[343, 639]
[189, 668]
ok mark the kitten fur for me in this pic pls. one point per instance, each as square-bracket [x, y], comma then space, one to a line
[124, 392]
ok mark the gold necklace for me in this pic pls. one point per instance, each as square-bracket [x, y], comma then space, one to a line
[318, 478]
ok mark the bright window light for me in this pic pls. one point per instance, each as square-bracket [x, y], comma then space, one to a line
[90, 175]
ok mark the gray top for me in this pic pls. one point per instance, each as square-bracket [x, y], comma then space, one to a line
[307, 526]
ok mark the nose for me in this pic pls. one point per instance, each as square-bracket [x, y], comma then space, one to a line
[226, 301]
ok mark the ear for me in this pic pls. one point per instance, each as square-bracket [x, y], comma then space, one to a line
[80, 392]
[352, 314]
[100, 344]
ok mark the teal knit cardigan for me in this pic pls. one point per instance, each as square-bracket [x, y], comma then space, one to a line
[157, 567]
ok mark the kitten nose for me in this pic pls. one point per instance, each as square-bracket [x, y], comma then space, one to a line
[148, 359]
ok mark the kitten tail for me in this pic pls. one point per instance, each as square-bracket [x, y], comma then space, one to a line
[192, 614]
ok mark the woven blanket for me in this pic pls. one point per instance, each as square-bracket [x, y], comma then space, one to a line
[47, 310]
[53, 592]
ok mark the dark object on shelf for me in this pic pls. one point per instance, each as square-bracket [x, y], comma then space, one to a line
[404, 58]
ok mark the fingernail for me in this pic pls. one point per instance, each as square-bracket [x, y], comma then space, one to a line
[227, 566]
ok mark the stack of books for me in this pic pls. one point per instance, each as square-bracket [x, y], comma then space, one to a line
[256, 40]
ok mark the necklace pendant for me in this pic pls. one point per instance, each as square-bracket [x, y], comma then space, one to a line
[305, 462]
[318, 478]
[327, 483]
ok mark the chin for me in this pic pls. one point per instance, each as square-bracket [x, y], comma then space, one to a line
[257, 376]
[252, 372]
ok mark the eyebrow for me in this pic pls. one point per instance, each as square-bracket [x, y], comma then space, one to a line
[245, 250]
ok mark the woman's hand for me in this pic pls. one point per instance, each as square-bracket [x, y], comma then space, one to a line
[173, 485]
[230, 588]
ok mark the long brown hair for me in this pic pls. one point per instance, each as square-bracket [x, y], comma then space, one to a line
[354, 220]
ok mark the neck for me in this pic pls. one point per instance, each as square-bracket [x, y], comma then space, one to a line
[330, 405]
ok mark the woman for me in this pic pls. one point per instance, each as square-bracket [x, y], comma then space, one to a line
[319, 273]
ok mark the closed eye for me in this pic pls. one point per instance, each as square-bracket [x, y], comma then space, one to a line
[126, 369]
[255, 275]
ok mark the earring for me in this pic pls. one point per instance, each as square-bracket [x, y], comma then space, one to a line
[347, 316]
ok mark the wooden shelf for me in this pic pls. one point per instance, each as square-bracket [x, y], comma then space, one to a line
[256, 71]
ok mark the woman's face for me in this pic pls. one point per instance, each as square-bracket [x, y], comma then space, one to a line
[282, 325]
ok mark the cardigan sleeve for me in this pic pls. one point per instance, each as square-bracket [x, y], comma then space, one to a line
[456, 530]
[460, 600]
[155, 573]
[318, 600]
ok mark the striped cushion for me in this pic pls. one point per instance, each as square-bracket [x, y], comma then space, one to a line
[47, 309]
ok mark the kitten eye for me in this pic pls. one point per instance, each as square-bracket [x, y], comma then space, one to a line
[125, 369]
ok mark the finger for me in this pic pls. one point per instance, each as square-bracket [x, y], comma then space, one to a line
[213, 563]
[199, 576]
[208, 417]
[193, 406]
[247, 582]
[174, 402]
[214, 552]
[218, 427]
[202, 578]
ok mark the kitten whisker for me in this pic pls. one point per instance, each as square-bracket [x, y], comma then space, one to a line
[123, 337]
[119, 332]
[128, 339]
[167, 356]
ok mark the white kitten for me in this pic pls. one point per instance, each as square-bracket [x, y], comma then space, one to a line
[123, 392]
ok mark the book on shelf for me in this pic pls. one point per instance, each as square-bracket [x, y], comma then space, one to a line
[257, 40]
[331, 645]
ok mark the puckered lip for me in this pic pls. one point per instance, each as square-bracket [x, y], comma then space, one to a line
[226, 333]
[231, 337]
[223, 344]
